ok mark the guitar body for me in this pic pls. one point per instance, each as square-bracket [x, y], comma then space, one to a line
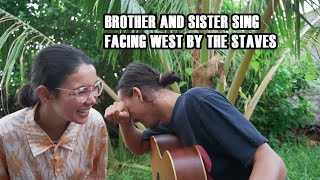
[171, 162]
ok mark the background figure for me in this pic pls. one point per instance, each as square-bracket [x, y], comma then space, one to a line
[58, 135]
[199, 116]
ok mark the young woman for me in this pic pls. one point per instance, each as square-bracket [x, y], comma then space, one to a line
[58, 135]
[199, 116]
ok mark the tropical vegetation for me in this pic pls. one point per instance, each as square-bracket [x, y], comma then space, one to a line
[266, 85]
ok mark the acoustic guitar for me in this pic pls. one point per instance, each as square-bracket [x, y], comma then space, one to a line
[171, 162]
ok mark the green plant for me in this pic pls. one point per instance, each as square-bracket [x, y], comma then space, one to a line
[281, 108]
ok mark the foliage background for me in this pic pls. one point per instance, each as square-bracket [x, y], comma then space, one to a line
[281, 109]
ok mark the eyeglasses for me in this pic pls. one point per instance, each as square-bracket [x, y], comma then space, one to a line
[84, 92]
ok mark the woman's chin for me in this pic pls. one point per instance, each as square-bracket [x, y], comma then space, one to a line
[81, 119]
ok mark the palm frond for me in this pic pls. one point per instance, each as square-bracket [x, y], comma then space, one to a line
[16, 37]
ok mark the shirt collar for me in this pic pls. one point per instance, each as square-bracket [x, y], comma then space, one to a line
[39, 141]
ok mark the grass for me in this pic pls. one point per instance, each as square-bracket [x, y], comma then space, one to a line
[138, 167]
[123, 165]
[302, 161]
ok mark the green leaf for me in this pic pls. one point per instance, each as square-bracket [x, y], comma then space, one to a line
[257, 52]
[310, 76]
[255, 65]
[110, 6]
[189, 71]
[8, 32]
[243, 95]
[309, 57]
[255, 87]
[14, 53]
[182, 83]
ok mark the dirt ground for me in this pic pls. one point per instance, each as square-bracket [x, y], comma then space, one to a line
[312, 132]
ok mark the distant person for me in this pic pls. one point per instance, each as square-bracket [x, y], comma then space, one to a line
[58, 135]
[199, 116]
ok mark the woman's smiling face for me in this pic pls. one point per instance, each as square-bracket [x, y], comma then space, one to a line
[67, 106]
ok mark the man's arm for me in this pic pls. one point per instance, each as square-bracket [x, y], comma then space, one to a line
[267, 165]
[133, 137]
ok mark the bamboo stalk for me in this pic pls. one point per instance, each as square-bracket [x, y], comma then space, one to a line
[204, 52]
[220, 87]
[254, 101]
[216, 10]
[241, 71]
[227, 63]
[110, 92]
[217, 7]
[297, 28]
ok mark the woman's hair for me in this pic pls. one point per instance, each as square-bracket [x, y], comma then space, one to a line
[144, 77]
[50, 68]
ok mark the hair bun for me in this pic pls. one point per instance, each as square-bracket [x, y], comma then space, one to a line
[168, 78]
[26, 97]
